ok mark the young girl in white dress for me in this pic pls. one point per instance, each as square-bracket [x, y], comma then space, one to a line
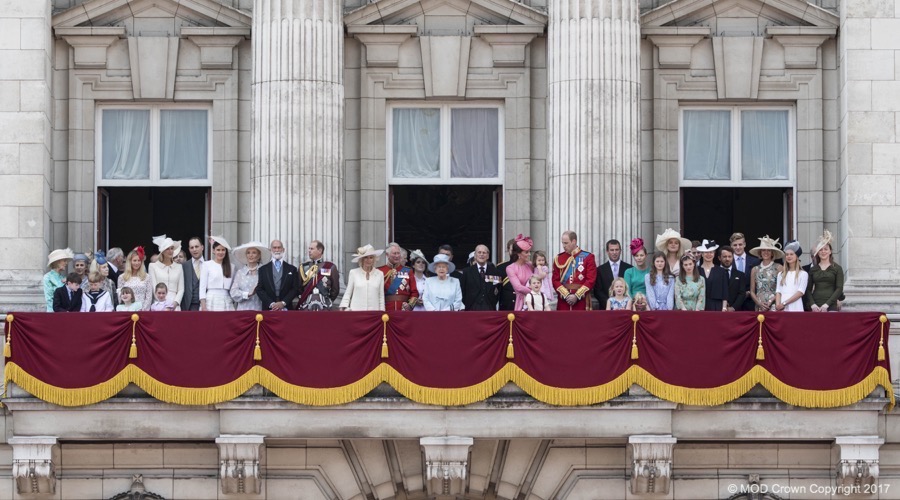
[535, 300]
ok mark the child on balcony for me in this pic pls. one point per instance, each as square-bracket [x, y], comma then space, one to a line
[618, 296]
[162, 303]
[126, 296]
[542, 271]
[640, 302]
[96, 299]
[67, 298]
[535, 300]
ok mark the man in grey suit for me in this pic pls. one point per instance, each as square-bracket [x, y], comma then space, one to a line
[190, 301]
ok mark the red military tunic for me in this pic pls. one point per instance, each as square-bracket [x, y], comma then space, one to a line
[574, 273]
[399, 287]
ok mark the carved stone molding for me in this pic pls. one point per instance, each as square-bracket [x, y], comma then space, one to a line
[737, 76]
[508, 42]
[216, 44]
[675, 50]
[33, 468]
[445, 65]
[239, 463]
[90, 44]
[858, 464]
[801, 51]
[652, 464]
[382, 42]
[446, 463]
[153, 64]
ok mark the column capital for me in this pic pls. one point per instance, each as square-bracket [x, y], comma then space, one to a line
[858, 463]
[651, 464]
[33, 468]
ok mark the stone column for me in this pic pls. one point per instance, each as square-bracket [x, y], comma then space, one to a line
[593, 59]
[298, 115]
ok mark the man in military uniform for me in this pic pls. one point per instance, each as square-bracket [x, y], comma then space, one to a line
[400, 291]
[320, 282]
[507, 294]
[574, 275]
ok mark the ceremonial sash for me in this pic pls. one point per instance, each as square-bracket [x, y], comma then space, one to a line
[396, 280]
[572, 266]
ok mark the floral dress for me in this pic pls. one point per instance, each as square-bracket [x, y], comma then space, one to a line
[244, 283]
[690, 295]
[766, 283]
[619, 305]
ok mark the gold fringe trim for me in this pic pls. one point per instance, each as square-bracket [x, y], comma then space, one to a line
[316, 396]
[571, 397]
[447, 397]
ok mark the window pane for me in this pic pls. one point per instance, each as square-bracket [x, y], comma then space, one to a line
[126, 144]
[416, 143]
[183, 144]
[474, 143]
[764, 145]
[707, 145]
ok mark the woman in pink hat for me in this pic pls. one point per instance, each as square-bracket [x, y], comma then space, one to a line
[521, 269]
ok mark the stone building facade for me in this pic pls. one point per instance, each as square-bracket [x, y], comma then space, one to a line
[612, 118]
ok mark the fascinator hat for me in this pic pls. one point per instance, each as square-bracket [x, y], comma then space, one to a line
[163, 242]
[794, 246]
[708, 246]
[415, 255]
[220, 240]
[636, 245]
[524, 242]
[824, 241]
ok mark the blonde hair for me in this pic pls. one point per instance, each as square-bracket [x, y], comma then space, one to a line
[534, 278]
[787, 269]
[638, 297]
[95, 278]
[128, 274]
[613, 285]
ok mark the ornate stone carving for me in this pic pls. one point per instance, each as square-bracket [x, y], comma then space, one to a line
[446, 463]
[137, 491]
[33, 468]
[858, 464]
[652, 463]
[239, 463]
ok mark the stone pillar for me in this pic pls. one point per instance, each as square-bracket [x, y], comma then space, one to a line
[593, 59]
[33, 464]
[298, 119]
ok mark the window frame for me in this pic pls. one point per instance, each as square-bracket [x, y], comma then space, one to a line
[736, 179]
[445, 178]
[155, 123]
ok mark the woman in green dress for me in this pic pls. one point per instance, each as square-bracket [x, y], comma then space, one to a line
[634, 276]
[764, 277]
[826, 278]
[690, 287]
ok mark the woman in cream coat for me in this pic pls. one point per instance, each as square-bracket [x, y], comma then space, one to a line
[166, 270]
[365, 284]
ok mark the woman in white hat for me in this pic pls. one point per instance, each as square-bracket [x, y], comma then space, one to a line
[215, 278]
[57, 262]
[166, 270]
[365, 284]
[673, 245]
[792, 280]
[243, 287]
[419, 264]
[442, 291]
[716, 277]
[826, 278]
[764, 277]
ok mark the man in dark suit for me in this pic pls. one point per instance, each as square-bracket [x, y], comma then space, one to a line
[190, 299]
[116, 261]
[744, 262]
[67, 298]
[507, 294]
[480, 283]
[279, 282]
[613, 268]
[738, 282]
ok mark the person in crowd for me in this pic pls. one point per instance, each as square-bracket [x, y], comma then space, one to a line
[826, 278]
[67, 298]
[448, 251]
[574, 275]
[442, 291]
[101, 266]
[163, 300]
[634, 276]
[520, 271]
[613, 268]
[136, 278]
[154, 258]
[481, 282]
[618, 296]
[507, 300]
[690, 287]
[792, 280]
[640, 303]
[715, 277]
[404, 257]
[190, 299]
[365, 284]
[57, 263]
[400, 292]
[738, 282]
[542, 271]
[420, 268]
[536, 300]
[180, 257]
[251, 256]
[660, 284]
[279, 282]
[694, 252]
[764, 276]
[471, 260]
[673, 246]
[126, 300]
[80, 266]
[320, 281]
[166, 270]
[216, 277]
[96, 299]
[116, 259]
[744, 262]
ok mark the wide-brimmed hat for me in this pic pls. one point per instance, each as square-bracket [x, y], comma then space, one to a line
[442, 258]
[240, 252]
[366, 251]
[417, 254]
[163, 242]
[60, 254]
[670, 234]
[708, 246]
[824, 240]
[766, 243]
[220, 240]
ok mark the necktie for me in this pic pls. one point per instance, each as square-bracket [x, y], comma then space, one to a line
[481, 271]
[278, 266]
[615, 269]
[741, 263]
[197, 267]
[729, 272]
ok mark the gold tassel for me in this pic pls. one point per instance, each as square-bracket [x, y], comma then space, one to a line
[384, 348]
[257, 351]
[132, 353]
[881, 354]
[760, 354]
[510, 352]
[7, 349]
[634, 348]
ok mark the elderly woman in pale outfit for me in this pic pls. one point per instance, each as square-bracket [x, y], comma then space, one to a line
[442, 291]
[365, 284]
[215, 278]
[673, 246]
[243, 288]
[80, 264]
[137, 279]
[57, 262]
[166, 270]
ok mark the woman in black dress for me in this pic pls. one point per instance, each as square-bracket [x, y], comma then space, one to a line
[716, 277]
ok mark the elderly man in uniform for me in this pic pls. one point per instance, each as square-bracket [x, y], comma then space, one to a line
[320, 282]
[574, 275]
[480, 282]
[400, 291]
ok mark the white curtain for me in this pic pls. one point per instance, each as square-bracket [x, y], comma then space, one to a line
[183, 144]
[474, 143]
[126, 144]
[416, 143]
[707, 145]
[764, 145]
